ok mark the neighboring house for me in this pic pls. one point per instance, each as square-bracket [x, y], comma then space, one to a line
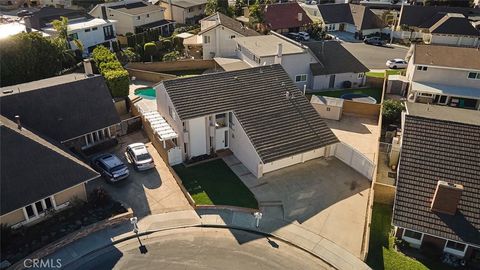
[183, 11]
[438, 184]
[38, 175]
[438, 79]
[285, 17]
[90, 31]
[134, 16]
[314, 65]
[257, 113]
[218, 32]
[350, 18]
[439, 25]
[75, 110]
[58, 4]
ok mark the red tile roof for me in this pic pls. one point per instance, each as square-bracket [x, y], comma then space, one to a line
[285, 15]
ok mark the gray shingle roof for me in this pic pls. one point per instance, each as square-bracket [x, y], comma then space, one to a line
[433, 150]
[360, 16]
[454, 24]
[231, 24]
[136, 8]
[421, 16]
[34, 168]
[62, 107]
[333, 59]
[277, 127]
[434, 55]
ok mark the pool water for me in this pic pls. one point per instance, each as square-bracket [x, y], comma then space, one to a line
[146, 93]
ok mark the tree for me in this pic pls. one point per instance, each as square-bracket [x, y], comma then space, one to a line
[214, 6]
[115, 75]
[63, 40]
[238, 8]
[392, 111]
[150, 50]
[256, 14]
[28, 57]
[316, 30]
[171, 56]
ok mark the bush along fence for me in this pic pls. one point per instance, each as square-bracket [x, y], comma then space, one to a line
[115, 75]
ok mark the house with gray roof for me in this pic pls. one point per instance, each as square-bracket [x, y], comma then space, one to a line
[183, 11]
[38, 175]
[76, 110]
[257, 113]
[312, 65]
[435, 78]
[438, 182]
[218, 32]
[439, 25]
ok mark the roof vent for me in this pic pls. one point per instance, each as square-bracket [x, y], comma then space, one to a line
[446, 198]
[300, 16]
[19, 123]
[8, 91]
[235, 78]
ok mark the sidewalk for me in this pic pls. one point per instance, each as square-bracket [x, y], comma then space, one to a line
[292, 233]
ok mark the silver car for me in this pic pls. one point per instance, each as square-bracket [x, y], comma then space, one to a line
[137, 154]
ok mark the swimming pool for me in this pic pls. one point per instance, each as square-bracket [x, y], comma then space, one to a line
[146, 93]
[359, 98]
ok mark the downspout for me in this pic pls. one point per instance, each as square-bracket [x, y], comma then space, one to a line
[171, 9]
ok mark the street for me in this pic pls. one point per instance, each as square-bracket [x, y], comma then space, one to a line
[201, 248]
[375, 57]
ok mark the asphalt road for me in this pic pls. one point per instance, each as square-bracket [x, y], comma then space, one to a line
[375, 57]
[201, 248]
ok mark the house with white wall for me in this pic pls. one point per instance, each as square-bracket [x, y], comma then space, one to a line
[312, 65]
[133, 16]
[438, 25]
[257, 113]
[90, 31]
[218, 32]
[350, 18]
[438, 181]
[438, 79]
[183, 11]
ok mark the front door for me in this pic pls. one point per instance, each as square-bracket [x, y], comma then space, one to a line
[221, 139]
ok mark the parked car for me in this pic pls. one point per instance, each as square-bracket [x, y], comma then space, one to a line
[396, 63]
[137, 154]
[377, 41]
[110, 167]
[294, 36]
[23, 13]
[304, 36]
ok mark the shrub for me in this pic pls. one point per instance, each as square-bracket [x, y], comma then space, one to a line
[113, 65]
[392, 111]
[171, 56]
[117, 82]
[150, 50]
[102, 54]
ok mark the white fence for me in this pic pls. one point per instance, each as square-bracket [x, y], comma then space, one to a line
[355, 159]
[407, 35]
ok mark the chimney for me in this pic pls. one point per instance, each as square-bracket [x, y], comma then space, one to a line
[87, 65]
[278, 57]
[446, 198]
[19, 124]
[299, 16]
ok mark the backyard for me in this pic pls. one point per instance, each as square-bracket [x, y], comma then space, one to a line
[376, 93]
[213, 183]
[382, 254]
[381, 74]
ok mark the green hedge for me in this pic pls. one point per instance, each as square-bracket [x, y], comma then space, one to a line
[112, 70]
[118, 82]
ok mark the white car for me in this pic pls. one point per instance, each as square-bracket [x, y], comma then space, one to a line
[137, 154]
[304, 36]
[397, 63]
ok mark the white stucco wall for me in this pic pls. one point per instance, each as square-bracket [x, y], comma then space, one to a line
[180, 14]
[243, 149]
[221, 43]
[323, 81]
[333, 112]
[93, 37]
[455, 40]
[197, 132]
[292, 160]
[446, 76]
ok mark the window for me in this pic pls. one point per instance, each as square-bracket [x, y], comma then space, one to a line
[30, 212]
[185, 148]
[232, 36]
[148, 15]
[360, 75]
[301, 78]
[206, 39]
[87, 30]
[39, 207]
[328, 109]
[48, 203]
[474, 75]
[108, 32]
[73, 36]
[423, 68]
[138, 17]
[412, 234]
[455, 245]
[190, 10]
[94, 28]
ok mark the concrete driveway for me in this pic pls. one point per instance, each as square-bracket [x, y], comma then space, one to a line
[325, 196]
[375, 57]
[149, 192]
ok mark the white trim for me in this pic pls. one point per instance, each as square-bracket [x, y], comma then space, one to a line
[455, 251]
[436, 236]
[415, 242]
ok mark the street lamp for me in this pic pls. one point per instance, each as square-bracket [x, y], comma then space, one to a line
[258, 216]
[134, 222]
